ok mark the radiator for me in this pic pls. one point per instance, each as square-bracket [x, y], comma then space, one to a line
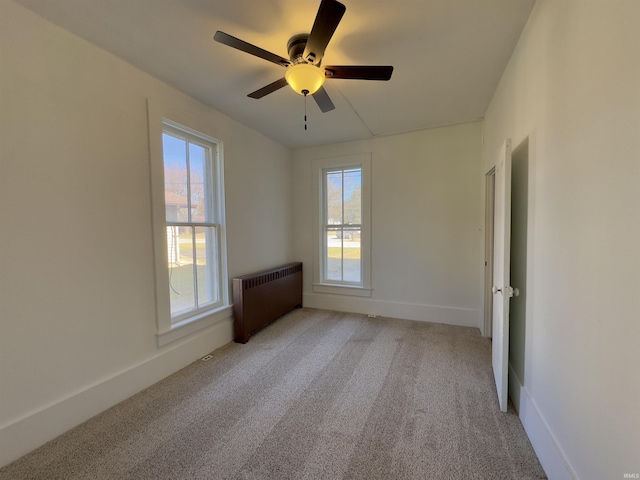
[262, 297]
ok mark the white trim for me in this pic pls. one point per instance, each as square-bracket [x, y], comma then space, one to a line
[194, 324]
[552, 458]
[342, 289]
[32, 430]
[362, 160]
[460, 316]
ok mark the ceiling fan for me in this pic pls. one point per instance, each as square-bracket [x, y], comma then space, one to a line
[304, 71]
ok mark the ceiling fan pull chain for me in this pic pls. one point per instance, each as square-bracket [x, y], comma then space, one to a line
[305, 93]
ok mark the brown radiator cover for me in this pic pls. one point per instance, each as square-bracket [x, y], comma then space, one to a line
[262, 297]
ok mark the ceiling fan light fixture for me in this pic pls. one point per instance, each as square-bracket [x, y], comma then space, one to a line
[305, 77]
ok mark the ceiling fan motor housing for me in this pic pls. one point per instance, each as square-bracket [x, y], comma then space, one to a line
[296, 46]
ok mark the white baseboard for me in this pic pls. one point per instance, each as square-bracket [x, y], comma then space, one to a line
[25, 434]
[544, 442]
[465, 317]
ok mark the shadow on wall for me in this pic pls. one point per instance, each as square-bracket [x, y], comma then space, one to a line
[519, 222]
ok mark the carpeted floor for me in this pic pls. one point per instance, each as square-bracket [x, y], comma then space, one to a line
[316, 395]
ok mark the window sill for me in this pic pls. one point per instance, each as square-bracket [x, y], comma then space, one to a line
[351, 290]
[194, 324]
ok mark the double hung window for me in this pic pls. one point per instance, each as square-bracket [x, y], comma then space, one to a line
[188, 216]
[342, 227]
[193, 227]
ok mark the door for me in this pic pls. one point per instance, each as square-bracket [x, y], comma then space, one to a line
[501, 289]
[490, 181]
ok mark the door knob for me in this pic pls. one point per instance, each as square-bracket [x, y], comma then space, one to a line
[512, 292]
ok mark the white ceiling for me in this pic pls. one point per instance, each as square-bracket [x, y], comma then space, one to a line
[448, 57]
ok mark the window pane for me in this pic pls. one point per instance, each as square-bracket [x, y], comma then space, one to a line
[353, 196]
[175, 178]
[352, 255]
[333, 258]
[343, 261]
[334, 198]
[181, 276]
[197, 158]
[206, 260]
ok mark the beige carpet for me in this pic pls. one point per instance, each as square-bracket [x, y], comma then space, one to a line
[316, 395]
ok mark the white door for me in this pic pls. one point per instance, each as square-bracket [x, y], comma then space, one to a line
[502, 290]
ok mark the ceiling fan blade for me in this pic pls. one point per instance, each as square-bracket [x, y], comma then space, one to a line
[327, 19]
[234, 42]
[322, 99]
[272, 87]
[359, 72]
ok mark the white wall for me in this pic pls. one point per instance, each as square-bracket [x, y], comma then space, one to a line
[426, 225]
[573, 88]
[77, 326]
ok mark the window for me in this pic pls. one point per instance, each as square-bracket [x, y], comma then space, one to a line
[187, 199]
[342, 245]
[342, 225]
[192, 226]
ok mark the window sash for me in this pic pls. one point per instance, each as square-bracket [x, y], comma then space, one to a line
[350, 271]
[209, 215]
[204, 288]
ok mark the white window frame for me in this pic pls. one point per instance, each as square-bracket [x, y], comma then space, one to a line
[213, 208]
[170, 329]
[320, 168]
